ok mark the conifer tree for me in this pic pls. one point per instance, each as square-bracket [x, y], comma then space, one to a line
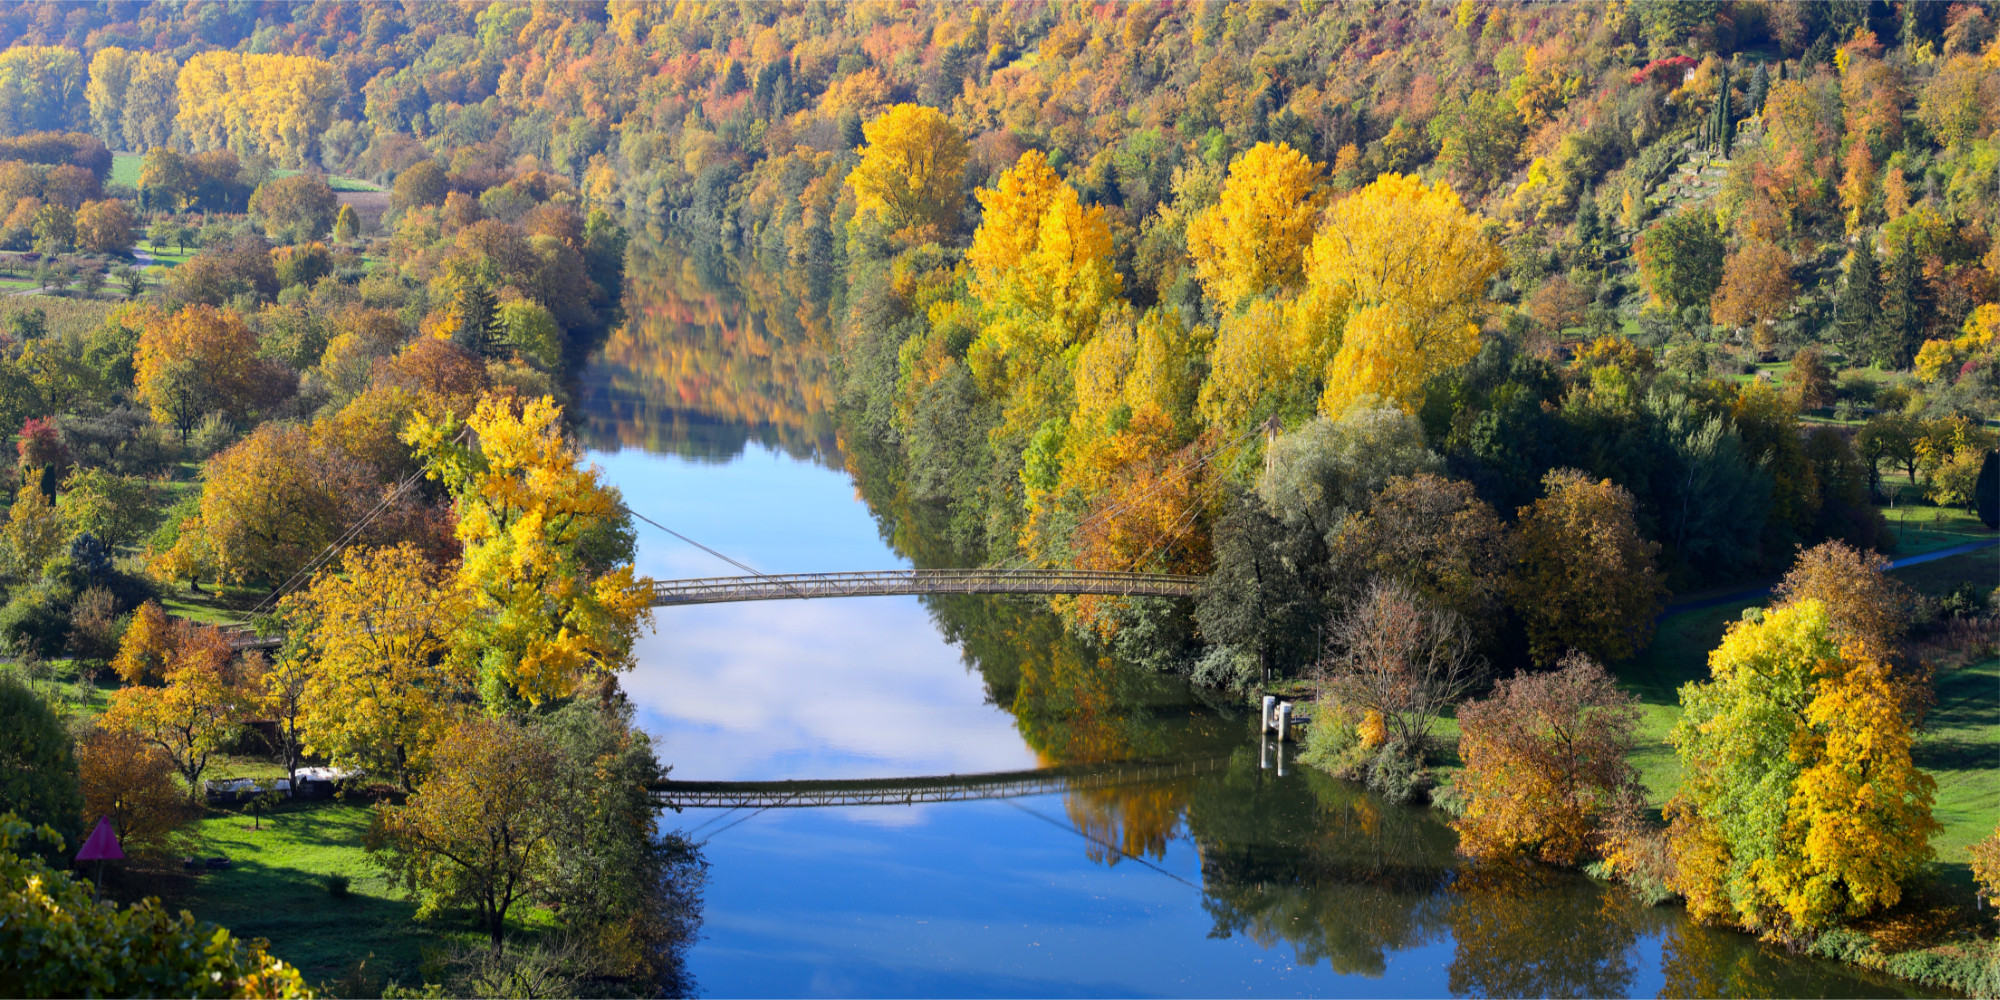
[1760, 85]
[477, 313]
[1904, 305]
[1858, 309]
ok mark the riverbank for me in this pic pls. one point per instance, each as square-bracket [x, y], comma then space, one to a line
[1938, 936]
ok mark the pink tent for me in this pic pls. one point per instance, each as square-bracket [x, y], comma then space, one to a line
[102, 844]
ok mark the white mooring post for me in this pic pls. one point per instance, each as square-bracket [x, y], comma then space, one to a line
[1270, 703]
[1284, 722]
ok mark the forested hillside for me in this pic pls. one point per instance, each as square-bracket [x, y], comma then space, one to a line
[1067, 250]
[1445, 341]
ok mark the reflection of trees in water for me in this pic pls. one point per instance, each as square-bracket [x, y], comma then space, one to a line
[1338, 874]
[713, 354]
[1699, 961]
[1533, 931]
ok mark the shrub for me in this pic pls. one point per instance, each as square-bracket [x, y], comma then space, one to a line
[61, 942]
[337, 885]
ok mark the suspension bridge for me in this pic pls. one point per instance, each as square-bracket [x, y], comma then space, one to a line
[883, 583]
[757, 586]
[678, 795]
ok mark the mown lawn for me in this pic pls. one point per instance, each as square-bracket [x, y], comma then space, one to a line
[276, 889]
[125, 168]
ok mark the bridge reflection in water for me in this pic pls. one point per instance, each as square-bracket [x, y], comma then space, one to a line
[678, 795]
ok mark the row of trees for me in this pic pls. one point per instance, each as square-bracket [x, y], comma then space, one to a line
[1801, 808]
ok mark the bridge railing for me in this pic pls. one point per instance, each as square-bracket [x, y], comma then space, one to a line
[708, 590]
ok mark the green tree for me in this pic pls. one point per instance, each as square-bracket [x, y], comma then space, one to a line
[346, 225]
[296, 208]
[1906, 309]
[38, 776]
[1681, 258]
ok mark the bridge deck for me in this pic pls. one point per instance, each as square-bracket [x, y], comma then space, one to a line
[884, 583]
[679, 795]
[720, 589]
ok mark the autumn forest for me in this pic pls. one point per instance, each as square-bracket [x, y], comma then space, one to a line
[1588, 414]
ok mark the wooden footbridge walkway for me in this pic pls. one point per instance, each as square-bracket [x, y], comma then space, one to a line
[678, 795]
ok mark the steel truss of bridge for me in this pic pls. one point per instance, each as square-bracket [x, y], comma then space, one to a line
[882, 583]
[678, 795]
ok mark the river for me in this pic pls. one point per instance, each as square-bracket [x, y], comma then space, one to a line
[712, 410]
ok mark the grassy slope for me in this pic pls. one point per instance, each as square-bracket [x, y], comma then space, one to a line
[125, 170]
[277, 890]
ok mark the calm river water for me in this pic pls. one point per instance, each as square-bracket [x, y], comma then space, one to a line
[712, 411]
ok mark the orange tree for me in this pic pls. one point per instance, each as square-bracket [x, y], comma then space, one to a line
[199, 710]
[133, 782]
[1587, 577]
[1544, 759]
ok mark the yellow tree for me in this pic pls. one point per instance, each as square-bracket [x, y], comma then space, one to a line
[280, 104]
[1255, 237]
[548, 549]
[382, 687]
[1269, 358]
[1410, 265]
[1801, 804]
[34, 530]
[196, 361]
[911, 172]
[1011, 223]
[483, 831]
[273, 501]
[110, 77]
[1052, 293]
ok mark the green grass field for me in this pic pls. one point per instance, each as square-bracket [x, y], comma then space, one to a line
[125, 170]
[276, 889]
